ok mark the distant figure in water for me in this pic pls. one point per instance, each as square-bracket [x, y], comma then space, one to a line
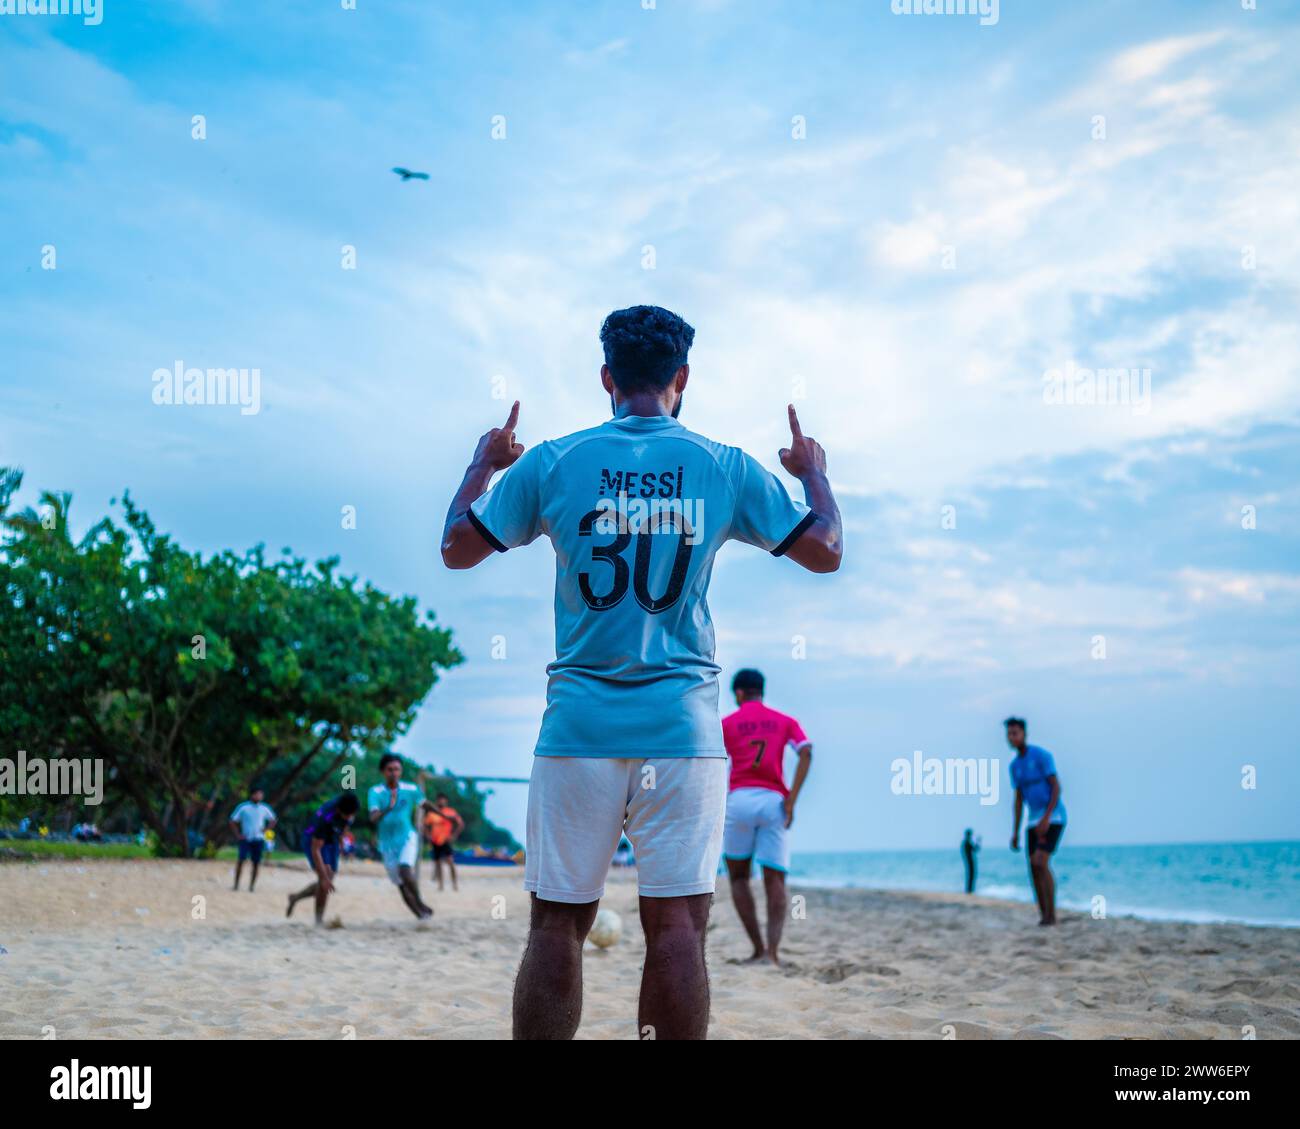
[1033, 772]
[969, 848]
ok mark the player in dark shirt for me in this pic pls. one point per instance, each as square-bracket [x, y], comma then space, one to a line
[969, 849]
[321, 846]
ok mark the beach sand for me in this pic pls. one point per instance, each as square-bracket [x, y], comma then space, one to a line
[149, 949]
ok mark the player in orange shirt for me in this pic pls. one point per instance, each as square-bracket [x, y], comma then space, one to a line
[442, 825]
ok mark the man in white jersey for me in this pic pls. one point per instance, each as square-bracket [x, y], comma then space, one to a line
[635, 510]
[392, 807]
[249, 822]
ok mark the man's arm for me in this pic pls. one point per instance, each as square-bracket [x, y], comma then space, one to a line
[800, 775]
[376, 814]
[820, 547]
[1015, 830]
[463, 546]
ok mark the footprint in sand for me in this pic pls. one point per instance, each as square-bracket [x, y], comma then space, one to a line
[842, 970]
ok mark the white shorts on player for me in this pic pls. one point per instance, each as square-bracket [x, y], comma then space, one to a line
[756, 828]
[671, 808]
[399, 856]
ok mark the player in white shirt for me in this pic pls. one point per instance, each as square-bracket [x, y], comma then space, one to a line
[249, 822]
[393, 806]
[635, 510]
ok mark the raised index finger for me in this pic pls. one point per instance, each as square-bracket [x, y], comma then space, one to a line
[794, 422]
[512, 418]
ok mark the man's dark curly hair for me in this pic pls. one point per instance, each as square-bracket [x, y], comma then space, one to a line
[644, 347]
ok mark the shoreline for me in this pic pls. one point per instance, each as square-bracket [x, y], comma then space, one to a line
[1176, 917]
[164, 949]
[1247, 883]
[291, 861]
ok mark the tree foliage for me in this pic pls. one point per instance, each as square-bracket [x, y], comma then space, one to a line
[193, 677]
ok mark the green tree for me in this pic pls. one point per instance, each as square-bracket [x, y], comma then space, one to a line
[194, 677]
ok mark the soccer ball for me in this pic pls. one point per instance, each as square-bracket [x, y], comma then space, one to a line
[606, 929]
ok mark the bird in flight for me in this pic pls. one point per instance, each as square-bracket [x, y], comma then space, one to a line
[407, 174]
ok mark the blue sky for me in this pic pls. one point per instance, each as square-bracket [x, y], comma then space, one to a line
[954, 224]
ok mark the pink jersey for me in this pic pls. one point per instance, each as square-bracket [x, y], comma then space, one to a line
[756, 739]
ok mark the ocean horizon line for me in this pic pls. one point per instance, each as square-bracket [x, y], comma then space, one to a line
[1072, 846]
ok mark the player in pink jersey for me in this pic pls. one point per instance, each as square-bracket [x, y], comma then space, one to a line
[760, 808]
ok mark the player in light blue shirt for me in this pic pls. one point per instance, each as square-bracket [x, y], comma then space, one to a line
[1033, 773]
[631, 742]
[635, 509]
[392, 806]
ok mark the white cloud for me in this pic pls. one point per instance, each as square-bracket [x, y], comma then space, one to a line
[1148, 60]
[911, 245]
[1208, 586]
[612, 49]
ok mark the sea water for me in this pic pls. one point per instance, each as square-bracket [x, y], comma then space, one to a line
[1255, 883]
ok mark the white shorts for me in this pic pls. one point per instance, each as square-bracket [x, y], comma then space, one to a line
[756, 828]
[671, 808]
[398, 857]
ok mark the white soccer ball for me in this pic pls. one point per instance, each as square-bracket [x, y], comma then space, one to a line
[606, 929]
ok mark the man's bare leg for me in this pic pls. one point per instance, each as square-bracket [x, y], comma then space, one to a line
[451, 869]
[1036, 883]
[777, 903]
[675, 980]
[548, 989]
[294, 899]
[410, 892]
[408, 898]
[1044, 887]
[239, 869]
[742, 897]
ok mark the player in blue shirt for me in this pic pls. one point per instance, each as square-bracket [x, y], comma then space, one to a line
[321, 846]
[631, 742]
[1033, 772]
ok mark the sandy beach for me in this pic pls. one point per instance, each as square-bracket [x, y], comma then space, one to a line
[156, 949]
